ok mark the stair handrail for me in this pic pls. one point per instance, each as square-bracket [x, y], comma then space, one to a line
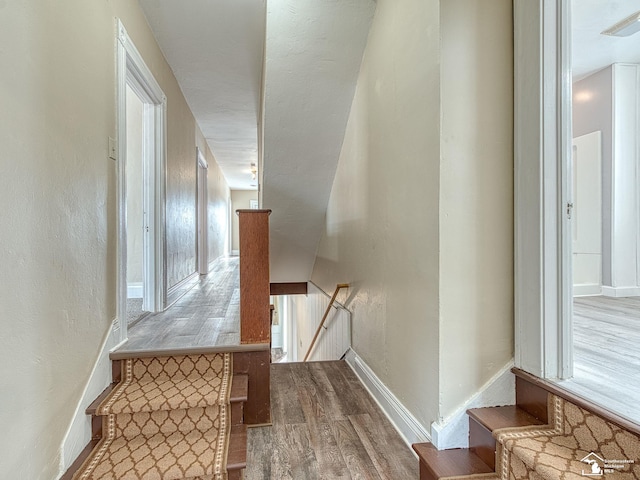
[339, 287]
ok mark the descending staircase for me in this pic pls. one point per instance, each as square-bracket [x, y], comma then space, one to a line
[178, 417]
[543, 436]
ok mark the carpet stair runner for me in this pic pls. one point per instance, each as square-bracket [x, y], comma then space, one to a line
[523, 442]
[171, 418]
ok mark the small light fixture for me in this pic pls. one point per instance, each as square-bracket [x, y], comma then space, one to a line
[254, 170]
[626, 27]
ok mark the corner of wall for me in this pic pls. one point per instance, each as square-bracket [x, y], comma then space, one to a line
[453, 431]
[409, 428]
[78, 434]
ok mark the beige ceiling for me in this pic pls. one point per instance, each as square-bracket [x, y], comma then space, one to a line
[313, 53]
[215, 49]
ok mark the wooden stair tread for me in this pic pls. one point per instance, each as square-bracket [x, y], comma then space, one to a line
[450, 463]
[239, 388]
[494, 418]
[237, 454]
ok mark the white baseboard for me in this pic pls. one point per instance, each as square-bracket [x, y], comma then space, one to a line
[621, 291]
[409, 428]
[135, 290]
[78, 434]
[453, 431]
[585, 290]
[179, 289]
[235, 253]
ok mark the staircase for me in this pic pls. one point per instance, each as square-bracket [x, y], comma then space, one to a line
[172, 417]
[547, 435]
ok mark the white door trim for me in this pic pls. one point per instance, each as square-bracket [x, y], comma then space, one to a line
[132, 70]
[542, 133]
[203, 223]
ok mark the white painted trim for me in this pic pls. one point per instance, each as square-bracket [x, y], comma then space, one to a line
[235, 253]
[135, 290]
[542, 133]
[78, 434]
[183, 286]
[203, 212]
[409, 428]
[587, 290]
[620, 291]
[131, 70]
[453, 431]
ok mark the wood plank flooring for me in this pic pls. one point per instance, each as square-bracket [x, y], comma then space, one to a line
[606, 333]
[206, 316]
[325, 426]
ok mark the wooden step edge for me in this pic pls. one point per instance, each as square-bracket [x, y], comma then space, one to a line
[239, 388]
[75, 466]
[123, 353]
[435, 464]
[525, 378]
[237, 454]
[495, 418]
[91, 409]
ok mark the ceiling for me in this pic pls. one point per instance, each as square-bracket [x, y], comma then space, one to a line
[593, 51]
[313, 56]
[215, 49]
[311, 51]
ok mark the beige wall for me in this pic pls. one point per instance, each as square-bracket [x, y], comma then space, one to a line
[381, 233]
[219, 197]
[420, 217]
[240, 199]
[58, 229]
[476, 196]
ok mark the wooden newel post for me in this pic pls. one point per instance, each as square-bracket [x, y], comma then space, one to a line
[254, 276]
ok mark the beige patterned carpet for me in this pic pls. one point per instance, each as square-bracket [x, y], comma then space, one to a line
[168, 419]
[576, 445]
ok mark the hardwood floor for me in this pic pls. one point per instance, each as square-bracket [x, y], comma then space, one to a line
[606, 334]
[325, 426]
[208, 315]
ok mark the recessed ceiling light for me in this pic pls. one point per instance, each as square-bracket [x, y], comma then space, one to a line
[626, 27]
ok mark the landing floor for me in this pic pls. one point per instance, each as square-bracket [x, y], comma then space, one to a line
[606, 333]
[208, 315]
[325, 426]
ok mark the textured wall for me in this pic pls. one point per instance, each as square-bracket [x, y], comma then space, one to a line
[381, 233]
[58, 229]
[219, 198]
[240, 199]
[476, 197]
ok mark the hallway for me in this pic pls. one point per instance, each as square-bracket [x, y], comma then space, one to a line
[325, 425]
[208, 315]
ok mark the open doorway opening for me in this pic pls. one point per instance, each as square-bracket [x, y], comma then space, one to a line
[141, 118]
[605, 218]
[203, 215]
[137, 226]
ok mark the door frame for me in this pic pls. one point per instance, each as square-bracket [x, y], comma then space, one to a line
[542, 153]
[131, 70]
[203, 221]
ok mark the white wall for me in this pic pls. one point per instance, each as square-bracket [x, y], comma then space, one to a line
[240, 200]
[334, 339]
[476, 197]
[382, 233]
[58, 229]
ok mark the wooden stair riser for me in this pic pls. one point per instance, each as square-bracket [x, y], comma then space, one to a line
[482, 443]
[237, 413]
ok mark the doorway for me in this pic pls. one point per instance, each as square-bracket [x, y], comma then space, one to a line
[141, 118]
[136, 224]
[203, 224]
